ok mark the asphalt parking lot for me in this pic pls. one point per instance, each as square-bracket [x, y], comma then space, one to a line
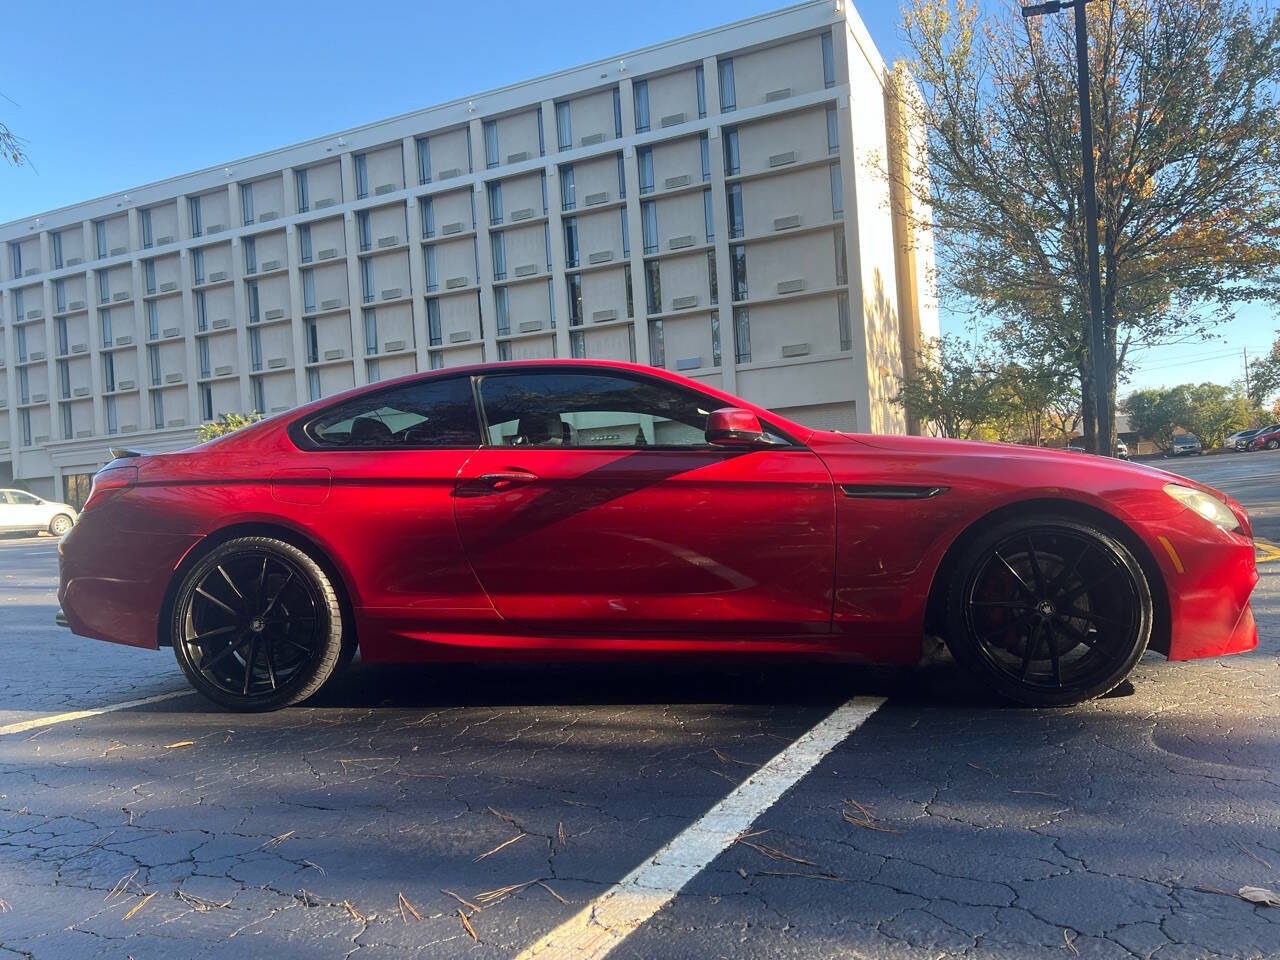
[444, 811]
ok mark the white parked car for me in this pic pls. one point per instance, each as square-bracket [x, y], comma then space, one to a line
[25, 512]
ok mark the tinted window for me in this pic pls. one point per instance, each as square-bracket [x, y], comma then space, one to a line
[564, 409]
[27, 499]
[429, 413]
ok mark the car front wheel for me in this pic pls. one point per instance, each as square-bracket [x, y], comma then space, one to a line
[1273, 444]
[256, 624]
[1048, 611]
[59, 525]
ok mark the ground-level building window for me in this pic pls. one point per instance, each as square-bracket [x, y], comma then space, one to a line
[75, 488]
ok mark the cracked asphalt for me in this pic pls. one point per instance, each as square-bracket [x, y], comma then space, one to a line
[361, 823]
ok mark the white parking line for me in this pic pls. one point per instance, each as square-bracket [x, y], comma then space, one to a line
[619, 911]
[50, 720]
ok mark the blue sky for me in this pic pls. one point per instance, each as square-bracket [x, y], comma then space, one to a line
[136, 93]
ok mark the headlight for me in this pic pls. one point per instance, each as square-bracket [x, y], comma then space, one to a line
[1208, 506]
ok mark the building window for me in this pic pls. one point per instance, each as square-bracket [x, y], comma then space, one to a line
[68, 427]
[494, 190]
[373, 370]
[104, 324]
[197, 265]
[309, 291]
[250, 255]
[641, 91]
[732, 160]
[246, 203]
[427, 213]
[153, 320]
[206, 402]
[574, 284]
[362, 175]
[15, 259]
[568, 194]
[24, 385]
[498, 249]
[504, 350]
[304, 194]
[311, 333]
[644, 165]
[433, 323]
[367, 284]
[833, 129]
[741, 335]
[842, 320]
[100, 228]
[18, 311]
[304, 243]
[255, 350]
[202, 350]
[738, 269]
[626, 233]
[571, 242]
[828, 61]
[546, 236]
[364, 232]
[60, 292]
[622, 179]
[564, 133]
[252, 300]
[842, 262]
[577, 345]
[837, 193]
[649, 226]
[157, 409]
[259, 394]
[64, 377]
[713, 279]
[700, 80]
[542, 144]
[653, 286]
[197, 221]
[728, 98]
[704, 146]
[149, 275]
[25, 417]
[432, 279]
[56, 240]
[108, 372]
[370, 331]
[113, 419]
[715, 338]
[626, 282]
[491, 143]
[471, 167]
[733, 209]
[502, 309]
[144, 217]
[708, 216]
[153, 363]
[436, 360]
[617, 113]
[60, 325]
[313, 384]
[657, 345]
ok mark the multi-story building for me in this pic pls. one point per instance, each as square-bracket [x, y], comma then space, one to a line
[716, 205]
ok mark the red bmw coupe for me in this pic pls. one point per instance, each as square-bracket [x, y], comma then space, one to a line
[553, 509]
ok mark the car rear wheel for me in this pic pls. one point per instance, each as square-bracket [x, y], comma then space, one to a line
[59, 525]
[1048, 611]
[1272, 444]
[257, 625]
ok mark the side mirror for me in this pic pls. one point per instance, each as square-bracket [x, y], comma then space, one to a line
[734, 427]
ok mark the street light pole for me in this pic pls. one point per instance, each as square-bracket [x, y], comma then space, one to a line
[1098, 360]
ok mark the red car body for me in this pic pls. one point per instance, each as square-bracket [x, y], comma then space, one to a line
[835, 545]
[1261, 440]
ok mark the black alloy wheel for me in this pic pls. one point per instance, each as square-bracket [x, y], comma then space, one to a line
[257, 625]
[1049, 611]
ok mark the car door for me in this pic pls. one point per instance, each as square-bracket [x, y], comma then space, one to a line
[8, 512]
[28, 512]
[598, 505]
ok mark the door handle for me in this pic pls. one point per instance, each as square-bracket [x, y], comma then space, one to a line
[502, 479]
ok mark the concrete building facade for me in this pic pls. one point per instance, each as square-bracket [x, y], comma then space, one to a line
[714, 204]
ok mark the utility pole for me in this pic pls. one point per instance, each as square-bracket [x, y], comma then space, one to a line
[1248, 392]
[1097, 329]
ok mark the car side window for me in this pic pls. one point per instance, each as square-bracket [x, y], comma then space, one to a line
[4, 497]
[427, 413]
[559, 408]
[25, 499]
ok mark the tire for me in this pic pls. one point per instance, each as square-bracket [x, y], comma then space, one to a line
[222, 620]
[59, 525]
[1008, 625]
[1272, 444]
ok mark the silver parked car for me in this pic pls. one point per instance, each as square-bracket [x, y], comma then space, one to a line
[1185, 445]
[22, 512]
